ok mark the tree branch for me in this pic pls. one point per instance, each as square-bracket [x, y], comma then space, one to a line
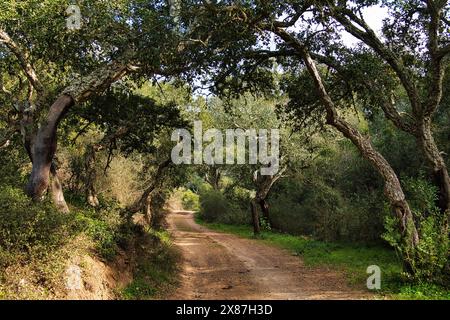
[138, 205]
[435, 72]
[98, 81]
[23, 57]
[347, 19]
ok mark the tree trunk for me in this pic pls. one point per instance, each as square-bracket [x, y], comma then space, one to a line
[434, 157]
[265, 209]
[89, 183]
[213, 177]
[91, 196]
[147, 210]
[263, 186]
[144, 202]
[392, 189]
[44, 147]
[57, 192]
[255, 217]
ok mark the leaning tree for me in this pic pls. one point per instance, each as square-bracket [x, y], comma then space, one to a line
[307, 36]
[53, 67]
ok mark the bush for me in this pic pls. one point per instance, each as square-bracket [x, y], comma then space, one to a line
[317, 209]
[29, 229]
[36, 241]
[215, 207]
[190, 200]
[429, 260]
[156, 271]
[106, 227]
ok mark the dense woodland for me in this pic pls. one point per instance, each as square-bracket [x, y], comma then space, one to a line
[86, 117]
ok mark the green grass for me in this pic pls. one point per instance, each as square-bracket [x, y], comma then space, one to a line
[352, 259]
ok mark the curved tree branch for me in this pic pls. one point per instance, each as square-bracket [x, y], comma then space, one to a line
[23, 57]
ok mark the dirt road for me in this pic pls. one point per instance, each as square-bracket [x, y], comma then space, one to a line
[223, 266]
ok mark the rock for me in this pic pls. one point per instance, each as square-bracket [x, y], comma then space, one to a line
[74, 280]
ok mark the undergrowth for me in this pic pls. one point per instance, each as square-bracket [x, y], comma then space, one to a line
[36, 241]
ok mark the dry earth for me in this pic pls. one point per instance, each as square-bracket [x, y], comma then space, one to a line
[223, 266]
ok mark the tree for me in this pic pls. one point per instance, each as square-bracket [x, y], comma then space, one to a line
[415, 48]
[81, 63]
[252, 113]
[261, 20]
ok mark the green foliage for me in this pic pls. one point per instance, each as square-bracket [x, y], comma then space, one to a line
[106, 226]
[337, 196]
[120, 107]
[102, 234]
[138, 289]
[423, 291]
[215, 207]
[429, 260]
[37, 240]
[323, 203]
[265, 224]
[190, 200]
[29, 230]
[421, 194]
[13, 160]
[157, 265]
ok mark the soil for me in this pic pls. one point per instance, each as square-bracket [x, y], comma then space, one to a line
[223, 266]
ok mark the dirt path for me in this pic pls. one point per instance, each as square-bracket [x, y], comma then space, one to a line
[223, 266]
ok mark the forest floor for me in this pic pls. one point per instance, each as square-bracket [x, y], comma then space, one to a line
[223, 266]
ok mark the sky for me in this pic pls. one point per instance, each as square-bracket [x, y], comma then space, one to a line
[374, 17]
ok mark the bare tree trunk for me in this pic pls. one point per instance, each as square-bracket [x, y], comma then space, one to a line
[255, 217]
[144, 204]
[44, 147]
[147, 210]
[263, 186]
[91, 175]
[57, 192]
[91, 196]
[265, 209]
[213, 177]
[434, 157]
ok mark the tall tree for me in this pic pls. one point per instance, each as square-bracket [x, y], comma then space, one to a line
[414, 45]
[65, 67]
[260, 19]
[257, 113]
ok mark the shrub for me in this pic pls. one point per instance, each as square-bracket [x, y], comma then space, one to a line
[190, 200]
[429, 260]
[317, 209]
[105, 226]
[215, 207]
[29, 229]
